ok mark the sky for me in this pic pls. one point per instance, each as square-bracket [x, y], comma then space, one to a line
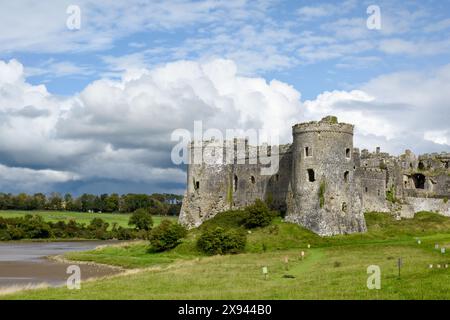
[91, 107]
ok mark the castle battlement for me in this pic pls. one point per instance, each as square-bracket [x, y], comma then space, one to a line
[238, 150]
[327, 124]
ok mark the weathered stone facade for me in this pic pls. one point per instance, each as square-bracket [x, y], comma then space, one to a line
[323, 183]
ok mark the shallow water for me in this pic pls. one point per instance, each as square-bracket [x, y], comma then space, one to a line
[24, 263]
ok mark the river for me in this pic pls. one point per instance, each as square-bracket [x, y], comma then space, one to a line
[25, 263]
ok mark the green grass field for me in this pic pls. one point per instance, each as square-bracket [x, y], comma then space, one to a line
[82, 217]
[333, 268]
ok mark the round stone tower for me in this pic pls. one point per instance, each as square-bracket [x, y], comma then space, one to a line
[325, 196]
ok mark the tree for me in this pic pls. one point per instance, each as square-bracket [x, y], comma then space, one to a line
[112, 203]
[167, 235]
[55, 201]
[141, 219]
[174, 209]
[68, 201]
[221, 241]
[87, 202]
[257, 215]
[39, 200]
[21, 201]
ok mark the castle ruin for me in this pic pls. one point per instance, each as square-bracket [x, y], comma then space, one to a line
[323, 183]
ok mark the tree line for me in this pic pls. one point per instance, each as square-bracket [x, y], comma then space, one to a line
[156, 203]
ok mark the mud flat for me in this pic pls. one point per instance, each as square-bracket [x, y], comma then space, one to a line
[25, 264]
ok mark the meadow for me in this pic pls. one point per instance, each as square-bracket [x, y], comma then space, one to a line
[82, 217]
[332, 267]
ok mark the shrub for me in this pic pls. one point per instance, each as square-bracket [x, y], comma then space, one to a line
[4, 235]
[221, 241]
[16, 233]
[166, 236]
[99, 229]
[34, 227]
[322, 188]
[124, 234]
[257, 215]
[141, 219]
[445, 199]
[390, 195]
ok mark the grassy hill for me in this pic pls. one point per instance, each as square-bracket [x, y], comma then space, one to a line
[333, 267]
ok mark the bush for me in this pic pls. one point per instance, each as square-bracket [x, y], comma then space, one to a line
[141, 219]
[221, 241]
[166, 236]
[34, 227]
[257, 215]
[124, 234]
[390, 195]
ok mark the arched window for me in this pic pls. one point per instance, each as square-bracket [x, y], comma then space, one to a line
[196, 185]
[344, 206]
[308, 152]
[346, 176]
[366, 189]
[235, 183]
[347, 152]
[421, 166]
[311, 176]
[252, 179]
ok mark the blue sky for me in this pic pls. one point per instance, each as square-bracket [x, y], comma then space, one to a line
[72, 101]
[283, 27]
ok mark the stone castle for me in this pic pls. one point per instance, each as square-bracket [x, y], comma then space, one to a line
[323, 183]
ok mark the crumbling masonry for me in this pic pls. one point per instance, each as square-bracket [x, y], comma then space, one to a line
[323, 183]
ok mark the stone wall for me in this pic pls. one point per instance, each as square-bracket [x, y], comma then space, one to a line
[213, 188]
[373, 186]
[414, 204]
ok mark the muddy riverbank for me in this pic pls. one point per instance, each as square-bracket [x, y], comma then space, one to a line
[26, 263]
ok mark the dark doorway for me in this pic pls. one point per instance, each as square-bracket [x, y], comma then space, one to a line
[311, 176]
[419, 181]
[346, 176]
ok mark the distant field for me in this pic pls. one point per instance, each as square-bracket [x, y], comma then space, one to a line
[82, 217]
